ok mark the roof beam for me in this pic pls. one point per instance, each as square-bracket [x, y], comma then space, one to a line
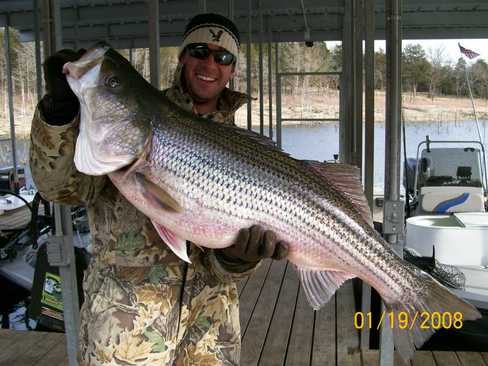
[123, 19]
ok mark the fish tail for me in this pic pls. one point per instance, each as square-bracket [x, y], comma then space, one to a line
[435, 307]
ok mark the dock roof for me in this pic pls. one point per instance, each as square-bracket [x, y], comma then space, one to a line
[124, 23]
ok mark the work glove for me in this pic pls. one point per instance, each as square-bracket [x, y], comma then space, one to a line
[250, 247]
[59, 104]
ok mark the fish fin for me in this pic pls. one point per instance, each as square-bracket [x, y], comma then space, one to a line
[157, 194]
[346, 179]
[199, 247]
[432, 298]
[141, 162]
[319, 286]
[176, 244]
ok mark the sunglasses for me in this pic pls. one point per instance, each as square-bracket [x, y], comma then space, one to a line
[201, 52]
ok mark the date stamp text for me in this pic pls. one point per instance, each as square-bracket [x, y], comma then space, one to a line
[405, 320]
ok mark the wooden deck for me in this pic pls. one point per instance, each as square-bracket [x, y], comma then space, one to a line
[32, 348]
[278, 328]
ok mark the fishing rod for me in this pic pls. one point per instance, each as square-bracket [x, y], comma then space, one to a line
[471, 55]
[473, 105]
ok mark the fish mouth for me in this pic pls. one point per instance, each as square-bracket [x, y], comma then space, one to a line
[91, 155]
[92, 57]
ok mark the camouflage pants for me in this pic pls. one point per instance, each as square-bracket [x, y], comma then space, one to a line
[129, 321]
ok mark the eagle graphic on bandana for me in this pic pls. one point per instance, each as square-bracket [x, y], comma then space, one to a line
[216, 36]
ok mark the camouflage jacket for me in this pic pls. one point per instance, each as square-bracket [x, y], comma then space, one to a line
[143, 306]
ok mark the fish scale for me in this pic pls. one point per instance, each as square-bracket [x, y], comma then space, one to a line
[201, 181]
[219, 203]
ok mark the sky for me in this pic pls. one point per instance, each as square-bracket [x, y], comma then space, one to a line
[451, 49]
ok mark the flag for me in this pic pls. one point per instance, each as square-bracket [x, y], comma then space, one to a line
[468, 53]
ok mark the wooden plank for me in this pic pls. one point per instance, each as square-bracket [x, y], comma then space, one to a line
[470, 359]
[274, 350]
[27, 340]
[347, 336]
[301, 338]
[9, 337]
[370, 357]
[324, 349]
[255, 335]
[398, 361]
[423, 358]
[241, 285]
[251, 294]
[56, 356]
[352, 359]
[41, 345]
[444, 358]
[48, 342]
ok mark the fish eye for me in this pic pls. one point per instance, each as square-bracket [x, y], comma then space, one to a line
[112, 82]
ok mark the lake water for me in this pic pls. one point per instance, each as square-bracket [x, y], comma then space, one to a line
[321, 142]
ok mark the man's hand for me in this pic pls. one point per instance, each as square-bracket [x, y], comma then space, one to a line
[254, 244]
[60, 104]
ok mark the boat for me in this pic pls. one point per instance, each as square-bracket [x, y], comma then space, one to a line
[449, 215]
[460, 240]
[448, 224]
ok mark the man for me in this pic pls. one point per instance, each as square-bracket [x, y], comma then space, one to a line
[144, 306]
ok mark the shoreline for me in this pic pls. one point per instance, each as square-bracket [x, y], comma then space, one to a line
[295, 124]
[320, 123]
[325, 104]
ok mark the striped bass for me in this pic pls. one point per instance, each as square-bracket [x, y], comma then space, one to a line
[203, 181]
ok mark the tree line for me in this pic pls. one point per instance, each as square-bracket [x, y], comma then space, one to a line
[426, 71]
[430, 72]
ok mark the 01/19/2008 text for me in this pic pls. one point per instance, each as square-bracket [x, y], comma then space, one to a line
[405, 320]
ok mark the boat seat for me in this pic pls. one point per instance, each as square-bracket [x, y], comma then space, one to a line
[444, 199]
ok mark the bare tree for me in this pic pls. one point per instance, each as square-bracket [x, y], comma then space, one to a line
[437, 59]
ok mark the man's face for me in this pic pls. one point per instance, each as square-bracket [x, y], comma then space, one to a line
[205, 79]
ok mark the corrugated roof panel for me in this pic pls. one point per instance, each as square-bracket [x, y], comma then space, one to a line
[127, 19]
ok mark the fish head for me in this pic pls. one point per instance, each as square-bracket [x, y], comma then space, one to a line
[116, 105]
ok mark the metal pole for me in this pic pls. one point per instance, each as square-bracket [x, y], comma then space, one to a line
[52, 29]
[46, 28]
[203, 6]
[61, 253]
[369, 103]
[278, 96]
[393, 207]
[37, 48]
[369, 143]
[393, 107]
[231, 17]
[60, 249]
[248, 67]
[347, 95]
[58, 28]
[77, 35]
[270, 87]
[154, 42]
[358, 84]
[10, 91]
[261, 71]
